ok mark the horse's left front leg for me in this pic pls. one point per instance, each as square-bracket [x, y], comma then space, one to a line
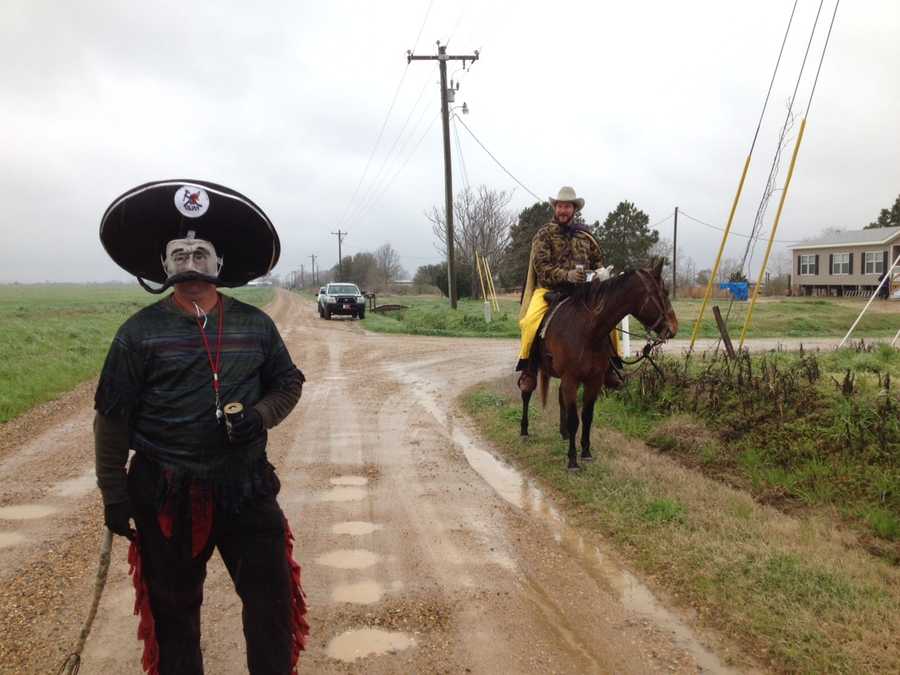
[591, 389]
[569, 399]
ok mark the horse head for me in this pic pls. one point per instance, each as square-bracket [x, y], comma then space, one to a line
[655, 311]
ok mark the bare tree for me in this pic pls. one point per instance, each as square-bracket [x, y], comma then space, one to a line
[481, 222]
[387, 263]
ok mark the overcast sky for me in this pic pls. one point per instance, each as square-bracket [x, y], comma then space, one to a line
[653, 102]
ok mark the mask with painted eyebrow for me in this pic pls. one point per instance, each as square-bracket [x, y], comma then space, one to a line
[191, 255]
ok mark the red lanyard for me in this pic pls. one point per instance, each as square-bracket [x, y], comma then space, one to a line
[215, 366]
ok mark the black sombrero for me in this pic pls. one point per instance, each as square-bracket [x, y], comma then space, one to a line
[138, 224]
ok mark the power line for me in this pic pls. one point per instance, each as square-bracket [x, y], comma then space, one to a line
[497, 161]
[384, 123]
[412, 153]
[660, 222]
[422, 27]
[462, 162]
[373, 185]
[681, 212]
[821, 59]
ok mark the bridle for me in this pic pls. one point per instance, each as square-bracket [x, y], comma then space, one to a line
[651, 341]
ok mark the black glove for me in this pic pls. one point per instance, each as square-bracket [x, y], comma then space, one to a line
[247, 428]
[116, 517]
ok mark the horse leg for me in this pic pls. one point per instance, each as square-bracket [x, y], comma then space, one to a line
[569, 389]
[526, 398]
[563, 425]
[587, 419]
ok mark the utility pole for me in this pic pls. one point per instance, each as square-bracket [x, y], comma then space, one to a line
[442, 57]
[315, 277]
[674, 253]
[302, 282]
[340, 235]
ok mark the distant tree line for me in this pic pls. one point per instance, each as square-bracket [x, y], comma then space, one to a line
[483, 223]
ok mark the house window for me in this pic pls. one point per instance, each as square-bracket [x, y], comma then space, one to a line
[873, 262]
[840, 263]
[807, 264]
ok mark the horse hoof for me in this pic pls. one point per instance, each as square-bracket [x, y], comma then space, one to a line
[587, 458]
[524, 434]
[575, 468]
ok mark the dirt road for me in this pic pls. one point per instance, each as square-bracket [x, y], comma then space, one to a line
[421, 552]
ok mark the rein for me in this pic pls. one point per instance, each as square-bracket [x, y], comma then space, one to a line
[651, 342]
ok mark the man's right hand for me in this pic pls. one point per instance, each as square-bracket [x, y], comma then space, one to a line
[117, 517]
[576, 276]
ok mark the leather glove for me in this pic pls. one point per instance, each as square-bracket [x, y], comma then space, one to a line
[247, 428]
[117, 517]
[576, 276]
[603, 273]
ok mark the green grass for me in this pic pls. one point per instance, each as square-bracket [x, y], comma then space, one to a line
[52, 337]
[786, 317]
[796, 597]
[793, 317]
[433, 316]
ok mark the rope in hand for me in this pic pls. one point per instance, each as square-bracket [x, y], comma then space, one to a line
[72, 664]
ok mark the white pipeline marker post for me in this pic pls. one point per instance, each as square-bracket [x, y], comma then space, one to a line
[626, 338]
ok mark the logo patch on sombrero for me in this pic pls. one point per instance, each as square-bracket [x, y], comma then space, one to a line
[191, 201]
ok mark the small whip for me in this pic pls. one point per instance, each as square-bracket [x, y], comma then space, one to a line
[72, 664]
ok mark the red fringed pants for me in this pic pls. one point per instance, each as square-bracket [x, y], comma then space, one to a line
[169, 567]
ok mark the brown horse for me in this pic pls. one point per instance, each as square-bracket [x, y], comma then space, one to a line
[577, 348]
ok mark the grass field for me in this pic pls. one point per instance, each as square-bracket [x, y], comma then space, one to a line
[798, 590]
[53, 337]
[783, 317]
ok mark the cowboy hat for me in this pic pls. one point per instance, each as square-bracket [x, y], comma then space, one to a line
[567, 194]
[138, 224]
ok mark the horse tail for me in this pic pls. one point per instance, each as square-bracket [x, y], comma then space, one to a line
[544, 381]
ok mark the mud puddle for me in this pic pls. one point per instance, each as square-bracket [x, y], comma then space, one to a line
[349, 559]
[357, 528]
[343, 494]
[362, 593]
[524, 494]
[356, 644]
[26, 512]
[77, 487]
[635, 596]
[10, 539]
[356, 481]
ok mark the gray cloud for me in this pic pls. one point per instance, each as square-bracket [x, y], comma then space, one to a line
[653, 102]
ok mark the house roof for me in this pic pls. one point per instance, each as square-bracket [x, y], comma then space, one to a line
[874, 237]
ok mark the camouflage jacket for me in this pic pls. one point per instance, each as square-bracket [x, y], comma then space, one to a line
[556, 249]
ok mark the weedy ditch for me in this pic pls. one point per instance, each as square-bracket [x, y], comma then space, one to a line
[752, 512]
[803, 429]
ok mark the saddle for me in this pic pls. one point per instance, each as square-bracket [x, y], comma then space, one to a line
[555, 300]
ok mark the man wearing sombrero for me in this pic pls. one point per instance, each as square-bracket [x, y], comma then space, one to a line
[562, 253]
[195, 483]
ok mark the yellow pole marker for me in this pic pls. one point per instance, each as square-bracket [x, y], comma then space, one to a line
[762, 271]
[490, 277]
[480, 277]
[715, 270]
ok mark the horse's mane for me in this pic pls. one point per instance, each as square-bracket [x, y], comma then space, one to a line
[597, 291]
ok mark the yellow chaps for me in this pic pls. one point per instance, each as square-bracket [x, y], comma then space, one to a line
[530, 323]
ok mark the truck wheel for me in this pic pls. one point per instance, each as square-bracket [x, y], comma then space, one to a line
[362, 314]
[327, 314]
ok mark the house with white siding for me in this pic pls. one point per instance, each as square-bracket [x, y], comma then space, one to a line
[848, 263]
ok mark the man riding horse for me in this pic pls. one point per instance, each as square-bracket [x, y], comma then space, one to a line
[562, 253]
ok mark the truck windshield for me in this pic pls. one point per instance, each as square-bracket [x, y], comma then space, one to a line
[343, 289]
